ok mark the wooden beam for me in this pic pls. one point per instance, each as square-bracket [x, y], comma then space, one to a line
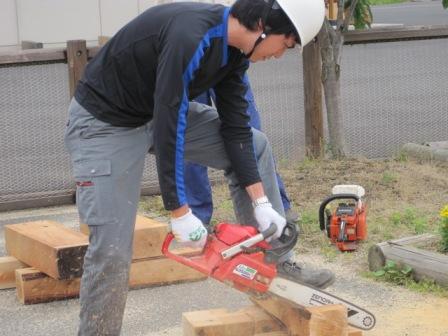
[219, 322]
[48, 246]
[32, 55]
[76, 61]
[425, 264]
[314, 122]
[328, 320]
[149, 235]
[160, 271]
[395, 34]
[8, 266]
[34, 286]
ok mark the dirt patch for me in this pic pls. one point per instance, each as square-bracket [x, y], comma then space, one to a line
[403, 197]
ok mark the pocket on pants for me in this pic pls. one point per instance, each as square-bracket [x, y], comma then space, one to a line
[94, 192]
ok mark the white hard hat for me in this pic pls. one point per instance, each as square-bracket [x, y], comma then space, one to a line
[307, 16]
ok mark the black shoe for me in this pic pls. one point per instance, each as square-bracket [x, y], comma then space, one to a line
[316, 278]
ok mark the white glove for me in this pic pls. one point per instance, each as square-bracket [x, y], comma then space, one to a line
[266, 215]
[189, 230]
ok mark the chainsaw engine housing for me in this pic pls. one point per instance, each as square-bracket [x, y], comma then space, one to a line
[346, 225]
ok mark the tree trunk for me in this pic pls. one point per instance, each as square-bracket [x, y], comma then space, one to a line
[331, 42]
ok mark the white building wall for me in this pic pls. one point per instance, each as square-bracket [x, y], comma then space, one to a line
[53, 22]
[8, 23]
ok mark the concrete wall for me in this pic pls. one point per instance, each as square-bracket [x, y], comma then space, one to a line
[53, 22]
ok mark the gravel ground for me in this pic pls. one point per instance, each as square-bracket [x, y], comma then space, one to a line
[157, 311]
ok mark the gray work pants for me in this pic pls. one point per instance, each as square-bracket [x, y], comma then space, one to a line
[108, 164]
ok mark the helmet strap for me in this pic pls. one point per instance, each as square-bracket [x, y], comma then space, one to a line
[257, 42]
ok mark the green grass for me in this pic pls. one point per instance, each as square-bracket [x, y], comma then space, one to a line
[403, 276]
[385, 2]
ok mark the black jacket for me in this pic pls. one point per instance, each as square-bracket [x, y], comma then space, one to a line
[150, 70]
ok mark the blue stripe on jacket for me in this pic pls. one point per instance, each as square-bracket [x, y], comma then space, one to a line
[215, 32]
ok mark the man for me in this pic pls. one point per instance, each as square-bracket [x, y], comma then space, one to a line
[134, 98]
[197, 184]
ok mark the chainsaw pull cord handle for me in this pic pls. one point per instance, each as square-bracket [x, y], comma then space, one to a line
[330, 199]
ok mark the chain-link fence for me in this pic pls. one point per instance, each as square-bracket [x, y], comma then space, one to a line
[392, 93]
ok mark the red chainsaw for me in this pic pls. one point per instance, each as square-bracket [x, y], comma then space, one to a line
[241, 257]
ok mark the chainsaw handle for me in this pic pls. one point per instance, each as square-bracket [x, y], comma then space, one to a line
[284, 244]
[270, 231]
[330, 199]
[179, 258]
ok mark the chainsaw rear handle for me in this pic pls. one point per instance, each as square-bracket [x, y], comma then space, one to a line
[284, 243]
[330, 199]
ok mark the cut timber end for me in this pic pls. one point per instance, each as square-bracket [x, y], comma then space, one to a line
[47, 246]
[36, 287]
[8, 266]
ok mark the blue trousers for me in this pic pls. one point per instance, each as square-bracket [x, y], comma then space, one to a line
[197, 184]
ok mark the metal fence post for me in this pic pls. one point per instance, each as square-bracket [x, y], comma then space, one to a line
[312, 70]
[76, 60]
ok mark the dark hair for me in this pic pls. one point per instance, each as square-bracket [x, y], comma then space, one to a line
[249, 13]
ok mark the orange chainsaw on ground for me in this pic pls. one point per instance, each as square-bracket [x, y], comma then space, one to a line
[242, 257]
[347, 225]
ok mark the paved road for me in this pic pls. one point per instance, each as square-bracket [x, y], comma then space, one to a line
[411, 13]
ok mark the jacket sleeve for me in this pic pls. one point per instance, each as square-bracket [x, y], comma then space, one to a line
[235, 129]
[179, 56]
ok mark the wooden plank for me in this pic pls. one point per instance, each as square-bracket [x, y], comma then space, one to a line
[354, 332]
[160, 271]
[77, 61]
[34, 286]
[8, 266]
[149, 235]
[247, 321]
[32, 55]
[328, 320]
[425, 264]
[314, 122]
[395, 34]
[48, 246]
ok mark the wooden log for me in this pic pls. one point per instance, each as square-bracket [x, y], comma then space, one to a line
[219, 322]
[425, 264]
[328, 320]
[149, 235]
[8, 266]
[48, 246]
[34, 286]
